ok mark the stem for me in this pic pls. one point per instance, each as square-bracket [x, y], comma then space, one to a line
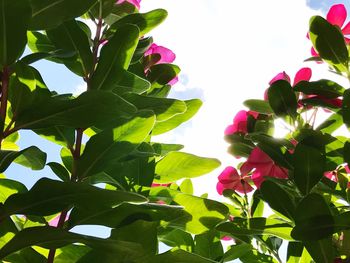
[261, 241]
[4, 95]
[76, 154]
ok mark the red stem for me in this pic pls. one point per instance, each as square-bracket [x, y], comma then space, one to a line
[4, 96]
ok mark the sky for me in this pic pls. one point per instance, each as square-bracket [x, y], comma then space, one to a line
[228, 51]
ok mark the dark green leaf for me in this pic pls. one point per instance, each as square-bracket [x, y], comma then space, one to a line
[313, 219]
[15, 17]
[278, 199]
[346, 108]
[115, 58]
[90, 108]
[329, 42]
[50, 13]
[324, 87]
[179, 256]
[112, 144]
[48, 197]
[261, 106]
[237, 251]
[162, 74]
[282, 99]
[257, 226]
[129, 82]
[331, 124]
[34, 57]
[50, 237]
[309, 166]
[31, 157]
[321, 251]
[71, 253]
[60, 171]
[69, 37]
[177, 238]
[178, 165]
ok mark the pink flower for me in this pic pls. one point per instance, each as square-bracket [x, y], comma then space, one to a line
[336, 16]
[303, 74]
[230, 179]
[240, 122]
[263, 166]
[55, 220]
[136, 3]
[166, 55]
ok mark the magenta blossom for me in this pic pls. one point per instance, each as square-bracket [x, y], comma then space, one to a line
[136, 3]
[263, 166]
[240, 122]
[166, 55]
[303, 74]
[231, 179]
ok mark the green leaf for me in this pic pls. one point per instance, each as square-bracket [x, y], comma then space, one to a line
[51, 237]
[209, 245]
[92, 108]
[313, 219]
[15, 17]
[177, 238]
[187, 187]
[31, 157]
[129, 82]
[69, 37]
[324, 87]
[309, 166]
[112, 144]
[71, 253]
[164, 126]
[179, 256]
[278, 199]
[115, 58]
[25, 75]
[237, 251]
[282, 99]
[177, 165]
[39, 42]
[329, 42]
[50, 13]
[34, 57]
[162, 74]
[9, 187]
[257, 226]
[261, 106]
[48, 197]
[60, 171]
[321, 251]
[346, 108]
[140, 232]
[60, 135]
[163, 108]
[145, 22]
[331, 124]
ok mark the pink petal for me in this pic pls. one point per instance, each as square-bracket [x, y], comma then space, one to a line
[347, 169]
[331, 175]
[228, 175]
[226, 238]
[220, 188]
[173, 81]
[314, 52]
[136, 3]
[337, 15]
[302, 74]
[231, 129]
[266, 96]
[167, 56]
[257, 156]
[346, 29]
[258, 178]
[278, 172]
[243, 187]
[280, 76]
[254, 114]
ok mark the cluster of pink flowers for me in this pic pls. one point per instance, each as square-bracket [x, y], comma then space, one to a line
[136, 3]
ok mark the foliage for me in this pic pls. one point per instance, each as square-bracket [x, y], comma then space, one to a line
[111, 164]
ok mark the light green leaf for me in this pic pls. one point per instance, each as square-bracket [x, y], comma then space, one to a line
[177, 165]
[145, 22]
[192, 107]
[9, 187]
[112, 144]
[31, 157]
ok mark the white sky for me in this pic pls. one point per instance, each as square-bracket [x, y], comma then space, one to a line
[230, 49]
